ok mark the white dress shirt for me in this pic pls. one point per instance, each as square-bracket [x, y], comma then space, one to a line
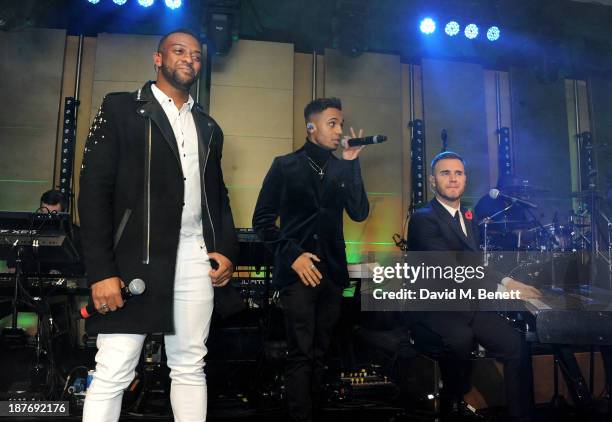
[186, 136]
[452, 211]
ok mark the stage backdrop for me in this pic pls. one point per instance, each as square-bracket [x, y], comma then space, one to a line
[541, 145]
[31, 66]
[370, 89]
[454, 99]
[251, 97]
[601, 94]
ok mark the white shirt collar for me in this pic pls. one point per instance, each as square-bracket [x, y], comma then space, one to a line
[163, 99]
[450, 209]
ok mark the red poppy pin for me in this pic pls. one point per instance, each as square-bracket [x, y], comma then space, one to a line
[468, 215]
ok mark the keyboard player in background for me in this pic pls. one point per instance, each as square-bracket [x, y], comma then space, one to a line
[53, 201]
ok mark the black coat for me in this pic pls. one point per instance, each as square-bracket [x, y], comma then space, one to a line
[310, 211]
[130, 205]
[433, 229]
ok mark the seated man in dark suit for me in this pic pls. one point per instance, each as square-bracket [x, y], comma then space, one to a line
[443, 225]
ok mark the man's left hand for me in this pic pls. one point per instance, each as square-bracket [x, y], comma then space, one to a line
[222, 275]
[350, 153]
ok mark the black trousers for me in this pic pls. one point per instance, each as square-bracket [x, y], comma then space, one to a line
[458, 333]
[310, 316]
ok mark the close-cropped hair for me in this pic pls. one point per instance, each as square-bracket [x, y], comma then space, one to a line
[54, 197]
[177, 31]
[319, 105]
[445, 156]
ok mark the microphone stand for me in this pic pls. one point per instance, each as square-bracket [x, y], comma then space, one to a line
[609, 258]
[485, 222]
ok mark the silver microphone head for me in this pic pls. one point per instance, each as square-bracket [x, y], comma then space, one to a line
[494, 193]
[137, 286]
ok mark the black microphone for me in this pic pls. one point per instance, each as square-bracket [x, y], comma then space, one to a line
[135, 288]
[495, 193]
[368, 140]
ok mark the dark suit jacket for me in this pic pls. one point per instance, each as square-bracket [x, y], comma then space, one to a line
[131, 202]
[432, 229]
[310, 215]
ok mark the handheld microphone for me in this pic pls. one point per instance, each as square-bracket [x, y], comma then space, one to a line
[495, 193]
[368, 140]
[135, 288]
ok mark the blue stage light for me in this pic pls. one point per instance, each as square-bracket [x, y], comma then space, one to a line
[493, 33]
[94, 1]
[146, 3]
[471, 31]
[173, 4]
[452, 28]
[119, 2]
[427, 26]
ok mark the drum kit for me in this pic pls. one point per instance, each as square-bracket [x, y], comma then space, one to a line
[529, 233]
[521, 238]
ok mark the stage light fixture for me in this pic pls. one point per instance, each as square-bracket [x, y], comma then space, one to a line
[173, 4]
[493, 33]
[452, 28]
[471, 31]
[428, 26]
[94, 1]
[119, 2]
[146, 3]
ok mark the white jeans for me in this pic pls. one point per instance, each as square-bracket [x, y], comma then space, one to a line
[118, 354]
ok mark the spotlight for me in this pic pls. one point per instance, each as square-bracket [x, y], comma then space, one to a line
[146, 3]
[173, 4]
[427, 26]
[452, 28]
[94, 1]
[471, 31]
[493, 33]
[119, 2]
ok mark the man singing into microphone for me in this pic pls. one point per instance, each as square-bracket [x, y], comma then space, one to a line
[309, 189]
[153, 205]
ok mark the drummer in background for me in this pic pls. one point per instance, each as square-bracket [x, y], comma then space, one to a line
[487, 206]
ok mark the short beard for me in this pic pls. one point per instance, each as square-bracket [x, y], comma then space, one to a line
[448, 198]
[175, 81]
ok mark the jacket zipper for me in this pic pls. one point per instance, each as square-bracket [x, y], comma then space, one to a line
[147, 200]
[204, 190]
